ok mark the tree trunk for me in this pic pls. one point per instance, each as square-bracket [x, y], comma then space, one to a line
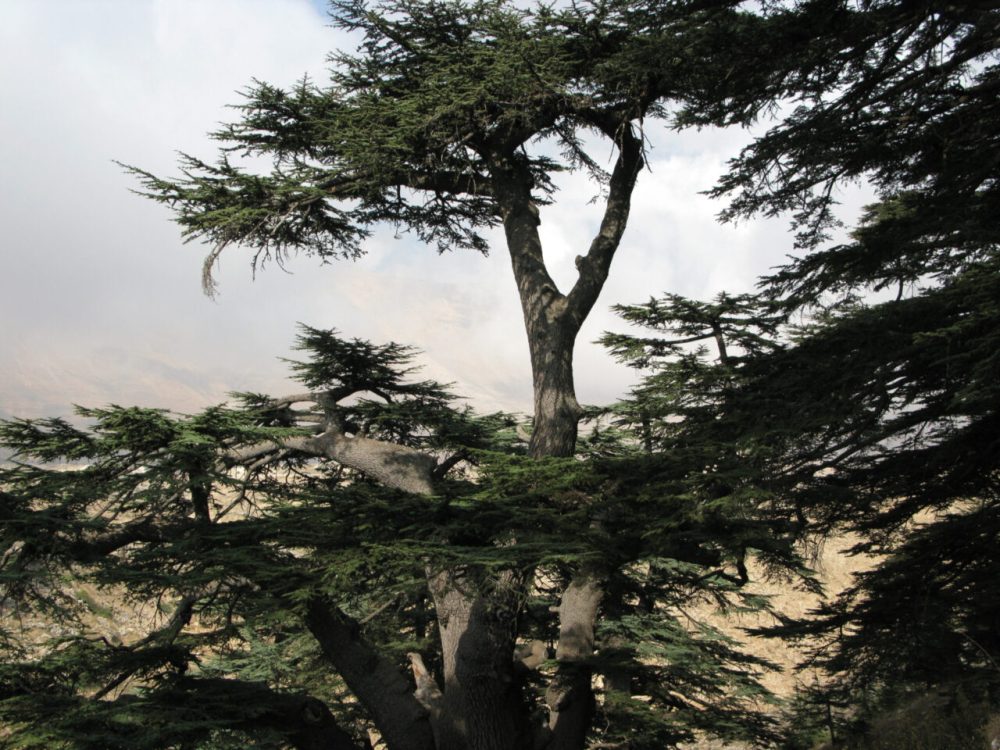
[570, 697]
[557, 411]
[548, 321]
[482, 708]
[376, 682]
[478, 639]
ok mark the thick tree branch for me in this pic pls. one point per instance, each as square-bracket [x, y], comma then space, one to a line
[540, 298]
[593, 268]
[428, 694]
[307, 721]
[449, 463]
[457, 183]
[376, 681]
[569, 695]
[393, 465]
[90, 546]
[479, 710]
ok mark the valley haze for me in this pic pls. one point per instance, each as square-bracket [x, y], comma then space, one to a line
[101, 300]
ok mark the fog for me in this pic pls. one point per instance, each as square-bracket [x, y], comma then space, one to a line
[101, 301]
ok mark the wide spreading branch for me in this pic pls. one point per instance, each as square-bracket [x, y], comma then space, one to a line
[444, 123]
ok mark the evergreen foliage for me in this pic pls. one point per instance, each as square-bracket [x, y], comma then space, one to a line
[452, 118]
[304, 548]
[239, 546]
[865, 399]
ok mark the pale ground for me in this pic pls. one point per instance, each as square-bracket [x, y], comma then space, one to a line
[834, 569]
[106, 616]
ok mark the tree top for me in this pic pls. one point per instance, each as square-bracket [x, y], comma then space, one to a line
[442, 107]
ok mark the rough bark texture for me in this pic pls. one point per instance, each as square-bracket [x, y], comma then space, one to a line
[552, 321]
[551, 330]
[557, 412]
[377, 682]
[482, 706]
[394, 465]
[569, 696]
[429, 695]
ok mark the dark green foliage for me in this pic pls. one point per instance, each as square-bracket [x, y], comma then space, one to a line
[901, 95]
[898, 441]
[880, 419]
[728, 321]
[453, 118]
[659, 651]
[280, 558]
[850, 408]
[389, 136]
[416, 128]
[234, 557]
[342, 366]
[931, 612]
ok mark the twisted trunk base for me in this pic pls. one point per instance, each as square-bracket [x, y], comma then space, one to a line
[482, 707]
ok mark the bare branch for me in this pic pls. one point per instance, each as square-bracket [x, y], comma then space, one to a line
[393, 465]
[427, 693]
[375, 680]
[378, 610]
[449, 463]
[208, 285]
[593, 268]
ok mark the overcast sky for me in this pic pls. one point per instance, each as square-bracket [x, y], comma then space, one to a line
[100, 301]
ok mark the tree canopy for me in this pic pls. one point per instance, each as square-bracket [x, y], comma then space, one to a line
[283, 581]
[450, 118]
[865, 386]
[370, 555]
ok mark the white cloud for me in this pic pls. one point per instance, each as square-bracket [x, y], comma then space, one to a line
[101, 302]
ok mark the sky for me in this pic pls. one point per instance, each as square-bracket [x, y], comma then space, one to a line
[101, 301]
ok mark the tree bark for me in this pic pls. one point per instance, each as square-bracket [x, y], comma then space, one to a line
[569, 696]
[551, 329]
[557, 412]
[482, 708]
[377, 682]
[552, 321]
[394, 465]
